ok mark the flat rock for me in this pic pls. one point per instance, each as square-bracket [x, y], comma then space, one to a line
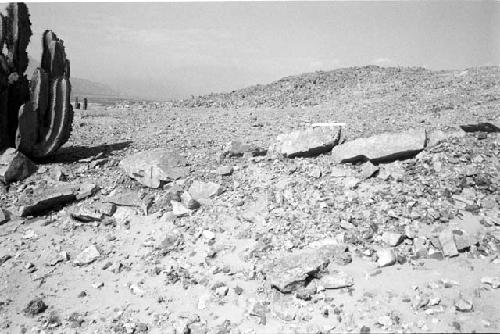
[89, 255]
[15, 166]
[224, 170]
[306, 143]
[291, 272]
[204, 190]
[384, 147]
[155, 167]
[45, 199]
[336, 280]
[447, 242]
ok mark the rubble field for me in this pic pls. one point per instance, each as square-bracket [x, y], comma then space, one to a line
[361, 200]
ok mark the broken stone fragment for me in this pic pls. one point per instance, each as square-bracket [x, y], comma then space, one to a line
[292, 271]
[224, 170]
[463, 305]
[447, 242]
[204, 190]
[35, 306]
[307, 143]
[179, 210]
[189, 201]
[462, 240]
[3, 217]
[384, 147]
[87, 214]
[15, 166]
[336, 279]
[236, 148]
[392, 238]
[155, 167]
[45, 199]
[386, 257]
[89, 255]
[494, 282]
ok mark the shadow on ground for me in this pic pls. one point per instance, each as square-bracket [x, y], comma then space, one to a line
[74, 153]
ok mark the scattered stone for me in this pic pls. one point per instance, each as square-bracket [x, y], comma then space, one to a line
[480, 127]
[336, 280]
[156, 167]
[35, 307]
[291, 272]
[86, 190]
[306, 143]
[3, 217]
[392, 238]
[87, 214]
[107, 209]
[463, 305]
[447, 242]
[386, 257]
[5, 258]
[58, 174]
[204, 190]
[224, 170]
[44, 199]
[236, 148]
[15, 166]
[382, 148]
[368, 170]
[462, 240]
[494, 282]
[89, 255]
[189, 201]
[179, 210]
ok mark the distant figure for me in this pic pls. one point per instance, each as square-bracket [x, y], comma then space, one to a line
[77, 104]
[85, 103]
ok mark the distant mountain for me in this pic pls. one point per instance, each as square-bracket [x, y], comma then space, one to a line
[80, 87]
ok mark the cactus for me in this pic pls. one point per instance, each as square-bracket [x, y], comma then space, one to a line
[35, 116]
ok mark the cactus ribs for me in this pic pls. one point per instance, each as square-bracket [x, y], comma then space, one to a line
[35, 116]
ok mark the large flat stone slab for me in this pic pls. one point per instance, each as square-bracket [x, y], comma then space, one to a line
[307, 143]
[155, 167]
[384, 147]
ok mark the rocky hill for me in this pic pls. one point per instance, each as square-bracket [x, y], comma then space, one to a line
[448, 89]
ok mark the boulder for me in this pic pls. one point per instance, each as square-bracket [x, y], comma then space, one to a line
[155, 167]
[384, 147]
[307, 143]
[15, 166]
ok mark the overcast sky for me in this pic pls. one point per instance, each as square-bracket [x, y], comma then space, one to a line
[167, 50]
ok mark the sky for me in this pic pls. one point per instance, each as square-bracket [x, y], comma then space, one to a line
[172, 50]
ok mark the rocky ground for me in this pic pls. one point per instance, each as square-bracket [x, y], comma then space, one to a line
[194, 216]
